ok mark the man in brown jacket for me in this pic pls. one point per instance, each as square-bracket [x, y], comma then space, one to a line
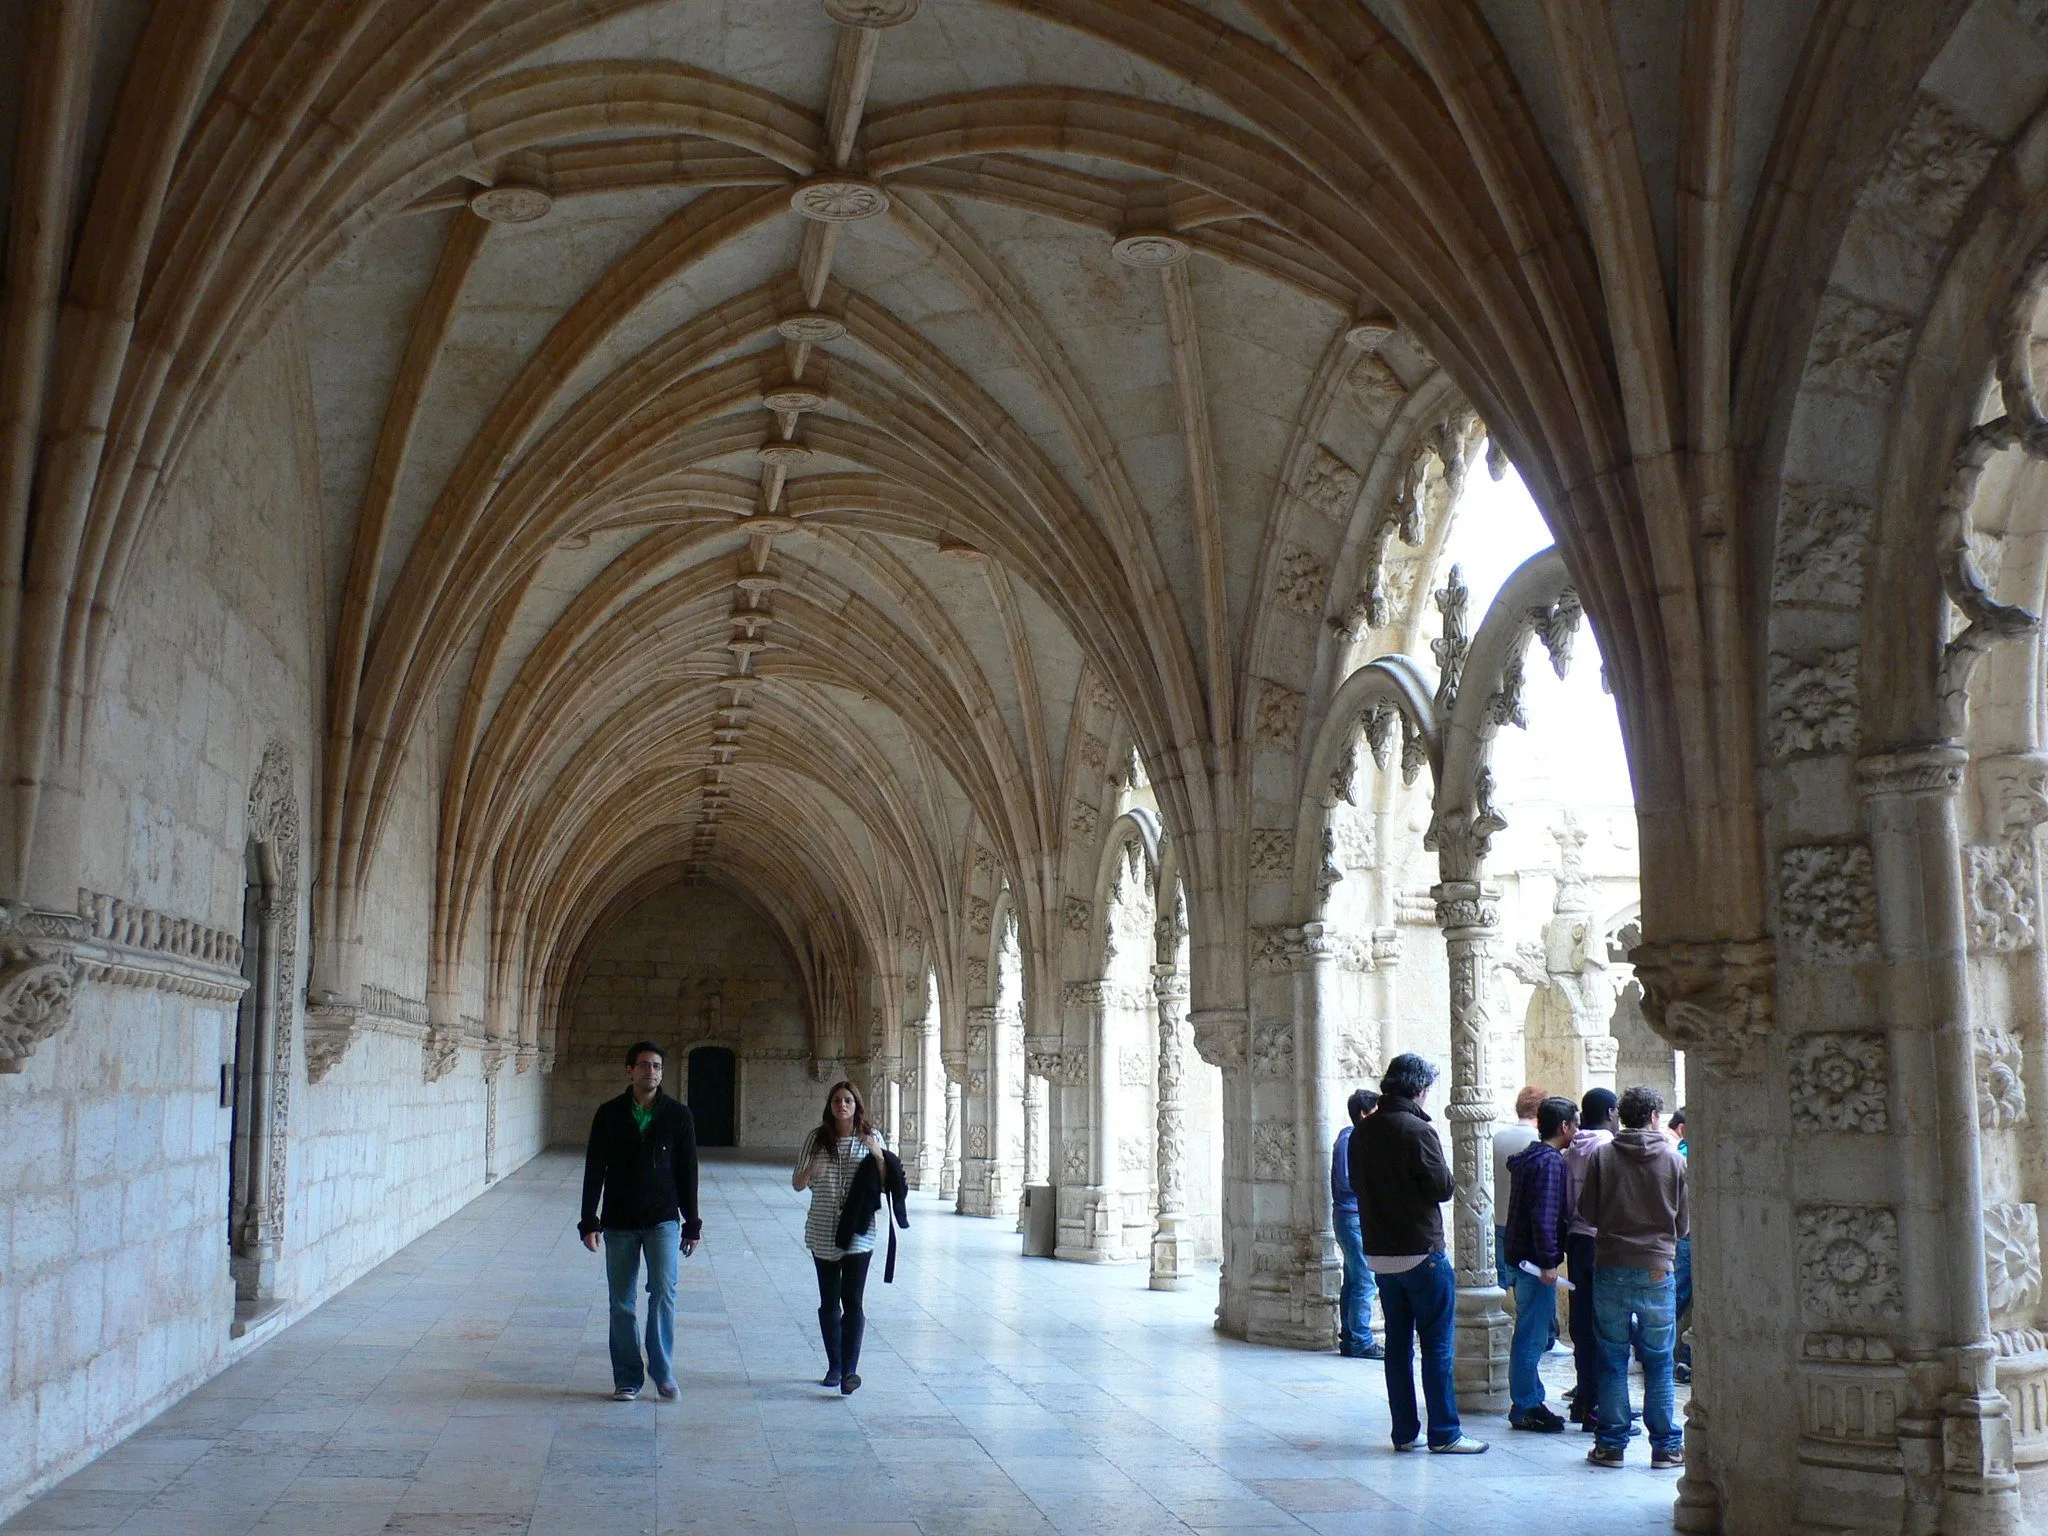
[1635, 1195]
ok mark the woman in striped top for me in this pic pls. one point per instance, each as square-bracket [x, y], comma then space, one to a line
[831, 1154]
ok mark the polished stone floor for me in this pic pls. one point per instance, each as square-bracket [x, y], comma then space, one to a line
[461, 1390]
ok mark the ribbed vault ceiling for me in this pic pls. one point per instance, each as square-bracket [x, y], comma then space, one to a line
[766, 440]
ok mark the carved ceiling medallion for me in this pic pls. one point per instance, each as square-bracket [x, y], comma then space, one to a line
[873, 14]
[511, 202]
[1150, 248]
[839, 199]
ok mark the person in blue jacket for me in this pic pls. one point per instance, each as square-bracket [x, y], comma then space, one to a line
[1354, 1339]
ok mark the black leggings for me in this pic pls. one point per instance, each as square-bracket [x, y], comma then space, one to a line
[842, 1283]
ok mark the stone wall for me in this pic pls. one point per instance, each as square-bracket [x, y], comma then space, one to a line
[115, 1291]
[690, 966]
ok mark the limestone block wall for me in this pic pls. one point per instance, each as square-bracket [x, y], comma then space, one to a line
[689, 966]
[114, 1288]
[779, 1102]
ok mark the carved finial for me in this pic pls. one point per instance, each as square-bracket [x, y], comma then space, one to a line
[1379, 733]
[1573, 893]
[1557, 626]
[1452, 599]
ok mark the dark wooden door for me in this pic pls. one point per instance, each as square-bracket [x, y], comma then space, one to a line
[711, 1095]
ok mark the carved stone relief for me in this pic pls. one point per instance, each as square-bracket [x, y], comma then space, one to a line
[2000, 892]
[39, 978]
[1813, 703]
[2012, 1258]
[1376, 387]
[1272, 854]
[977, 1141]
[1823, 532]
[1134, 1067]
[1083, 822]
[1839, 1082]
[979, 914]
[1279, 715]
[1074, 1157]
[1077, 914]
[1300, 579]
[1273, 1152]
[1828, 903]
[1094, 752]
[1857, 349]
[1272, 1053]
[1330, 485]
[1849, 1263]
[2001, 1091]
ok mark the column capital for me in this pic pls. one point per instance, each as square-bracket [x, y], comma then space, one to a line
[1912, 773]
[1714, 999]
[1464, 904]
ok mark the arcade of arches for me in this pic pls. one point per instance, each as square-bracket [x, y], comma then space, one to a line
[922, 541]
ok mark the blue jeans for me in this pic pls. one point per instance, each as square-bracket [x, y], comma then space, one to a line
[1535, 1316]
[1627, 1301]
[1684, 1277]
[1354, 1317]
[1422, 1301]
[1500, 1254]
[622, 1250]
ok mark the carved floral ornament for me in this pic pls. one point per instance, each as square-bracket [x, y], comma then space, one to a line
[1839, 1082]
[1849, 1263]
[2012, 1258]
[2001, 1091]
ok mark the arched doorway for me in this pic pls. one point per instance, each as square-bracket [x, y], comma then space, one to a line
[711, 1095]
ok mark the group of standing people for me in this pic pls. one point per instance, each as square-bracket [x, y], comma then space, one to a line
[1600, 1211]
[640, 1199]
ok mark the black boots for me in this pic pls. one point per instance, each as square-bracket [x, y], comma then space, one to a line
[851, 1327]
[828, 1330]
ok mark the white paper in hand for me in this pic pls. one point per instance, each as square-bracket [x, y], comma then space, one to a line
[1528, 1267]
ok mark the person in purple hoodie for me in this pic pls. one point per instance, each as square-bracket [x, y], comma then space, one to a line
[1539, 1212]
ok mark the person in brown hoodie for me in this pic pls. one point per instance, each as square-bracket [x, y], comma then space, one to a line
[1635, 1195]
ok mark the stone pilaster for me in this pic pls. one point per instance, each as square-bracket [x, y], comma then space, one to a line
[980, 1155]
[1470, 924]
[1938, 1231]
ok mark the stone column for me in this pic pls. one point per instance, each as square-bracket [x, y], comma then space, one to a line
[1093, 1224]
[1034, 1139]
[980, 1155]
[494, 1056]
[1172, 1250]
[949, 1150]
[1470, 922]
[1916, 865]
[910, 1146]
[1320, 1284]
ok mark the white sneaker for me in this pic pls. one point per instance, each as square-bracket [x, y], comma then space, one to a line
[1464, 1445]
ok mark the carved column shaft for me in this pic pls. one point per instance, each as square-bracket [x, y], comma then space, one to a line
[949, 1151]
[1315, 1070]
[258, 1235]
[1916, 860]
[1172, 1253]
[1469, 923]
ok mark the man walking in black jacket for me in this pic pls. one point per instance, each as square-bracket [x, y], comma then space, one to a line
[1401, 1179]
[642, 1160]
